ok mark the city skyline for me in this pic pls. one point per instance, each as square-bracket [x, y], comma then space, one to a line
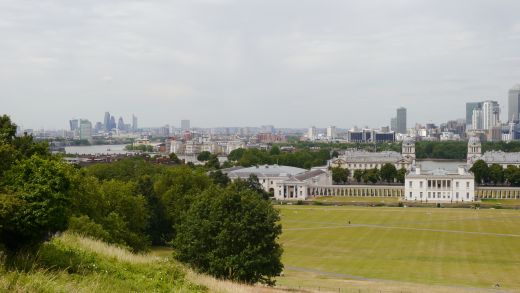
[219, 63]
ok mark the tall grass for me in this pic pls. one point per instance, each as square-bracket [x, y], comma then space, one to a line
[72, 263]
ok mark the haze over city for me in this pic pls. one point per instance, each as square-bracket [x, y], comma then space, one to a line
[239, 63]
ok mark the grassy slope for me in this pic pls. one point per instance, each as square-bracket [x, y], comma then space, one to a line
[397, 252]
[71, 263]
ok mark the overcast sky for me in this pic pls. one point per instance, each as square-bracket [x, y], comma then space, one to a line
[247, 63]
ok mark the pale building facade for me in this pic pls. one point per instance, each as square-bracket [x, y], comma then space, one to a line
[491, 157]
[440, 186]
[362, 160]
[283, 182]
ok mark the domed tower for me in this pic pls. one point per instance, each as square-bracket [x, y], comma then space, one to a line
[474, 150]
[409, 148]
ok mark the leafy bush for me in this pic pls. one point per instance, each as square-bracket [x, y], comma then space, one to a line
[84, 226]
[231, 235]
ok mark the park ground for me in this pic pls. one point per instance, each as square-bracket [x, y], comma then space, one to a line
[386, 249]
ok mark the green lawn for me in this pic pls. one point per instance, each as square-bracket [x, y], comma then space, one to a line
[454, 247]
[502, 201]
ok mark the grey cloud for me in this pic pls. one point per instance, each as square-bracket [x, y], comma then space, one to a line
[291, 63]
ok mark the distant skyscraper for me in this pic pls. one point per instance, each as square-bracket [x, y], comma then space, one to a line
[185, 125]
[514, 104]
[106, 121]
[85, 129]
[74, 124]
[469, 112]
[312, 134]
[476, 119]
[331, 132]
[99, 127]
[112, 123]
[393, 124]
[490, 114]
[400, 120]
[121, 124]
[134, 123]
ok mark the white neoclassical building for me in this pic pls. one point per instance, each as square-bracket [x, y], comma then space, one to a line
[439, 186]
[362, 160]
[491, 157]
[283, 182]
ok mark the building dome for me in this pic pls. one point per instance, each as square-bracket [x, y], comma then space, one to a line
[474, 140]
[408, 140]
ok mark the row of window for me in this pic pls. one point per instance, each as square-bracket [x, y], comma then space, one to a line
[438, 184]
[439, 195]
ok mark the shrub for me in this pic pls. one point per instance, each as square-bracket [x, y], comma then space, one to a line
[84, 226]
[231, 235]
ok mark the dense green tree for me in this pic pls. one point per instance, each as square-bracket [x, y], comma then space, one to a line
[275, 150]
[252, 184]
[176, 189]
[401, 174]
[7, 130]
[213, 162]
[219, 178]
[174, 158]
[512, 175]
[128, 215]
[236, 155]
[358, 175]
[231, 235]
[204, 156]
[388, 172]
[340, 175]
[41, 191]
[371, 175]
[481, 171]
[496, 174]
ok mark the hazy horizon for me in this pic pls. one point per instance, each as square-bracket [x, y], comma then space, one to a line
[291, 64]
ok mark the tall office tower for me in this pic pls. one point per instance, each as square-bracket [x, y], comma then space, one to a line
[106, 121]
[74, 124]
[121, 124]
[185, 125]
[134, 122]
[469, 112]
[312, 134]
[490, 114]
[393, 124]
[85, 129]
[112, 123]
[331, 132]
[99, 127]
[476, 119]
[400, 120]
[514, 104]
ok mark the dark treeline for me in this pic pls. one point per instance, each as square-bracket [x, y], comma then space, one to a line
[453, 150]
[495, 174]
[137, 204]
[303, 158]
[387, 174]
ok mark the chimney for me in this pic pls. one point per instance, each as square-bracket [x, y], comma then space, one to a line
[461, 170]
[418, 169]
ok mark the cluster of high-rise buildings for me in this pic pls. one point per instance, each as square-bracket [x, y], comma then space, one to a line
[84, 130]
[483, 118]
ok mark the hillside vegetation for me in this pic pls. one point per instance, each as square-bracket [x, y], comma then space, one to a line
[72, 263]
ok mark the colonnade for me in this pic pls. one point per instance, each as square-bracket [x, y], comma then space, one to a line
[497, 192]
[356, 190]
